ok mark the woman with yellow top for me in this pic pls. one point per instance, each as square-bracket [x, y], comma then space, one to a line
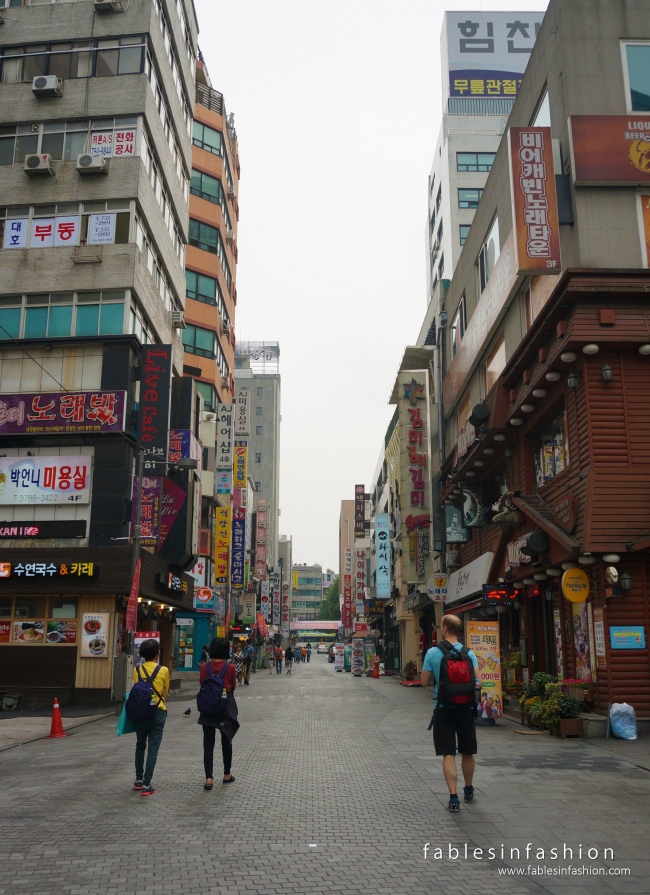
[150, 731]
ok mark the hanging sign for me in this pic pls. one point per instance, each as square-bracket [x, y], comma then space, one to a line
[242, 413]
[575, 585]
[359, 511]
[382, 553]
[155, 400]
[225, 447]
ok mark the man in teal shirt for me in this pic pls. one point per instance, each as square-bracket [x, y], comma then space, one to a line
[454, 721]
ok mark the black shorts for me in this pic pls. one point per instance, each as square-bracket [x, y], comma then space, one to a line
[449, 723]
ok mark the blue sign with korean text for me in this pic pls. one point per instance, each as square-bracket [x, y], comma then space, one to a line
[382, 555]
[627, 637]
[238, 553]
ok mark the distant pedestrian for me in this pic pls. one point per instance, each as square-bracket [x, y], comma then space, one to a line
[149, 730]
[303, 654]
[248, 661]
[254, 664]
[278, 659]
[308, 652]
[204, 656]
[223, 680]
[288, 658]
[455, 671]
[238, 659]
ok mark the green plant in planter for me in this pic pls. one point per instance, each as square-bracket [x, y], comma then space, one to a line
[536, 686]
[557, 705]
[410, 671]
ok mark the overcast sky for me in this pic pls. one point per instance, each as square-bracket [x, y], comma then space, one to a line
[337, 109]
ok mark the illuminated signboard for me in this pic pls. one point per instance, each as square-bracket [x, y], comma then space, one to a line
[499, 594]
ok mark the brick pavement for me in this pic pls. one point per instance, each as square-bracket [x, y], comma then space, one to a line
[337, 791]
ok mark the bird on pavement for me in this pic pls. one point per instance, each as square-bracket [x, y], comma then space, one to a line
[187, 712]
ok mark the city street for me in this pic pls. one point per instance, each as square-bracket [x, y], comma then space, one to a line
[337, 790]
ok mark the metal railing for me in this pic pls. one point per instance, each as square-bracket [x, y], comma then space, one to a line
[211, 99]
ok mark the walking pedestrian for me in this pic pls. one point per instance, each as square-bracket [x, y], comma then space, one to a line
[149, 731]
[288, 658]
[278, 659]
[248, 661]
[223, 674]
[204, 656]
[254, 667]
[238, 659]
[454, 668]
[303, 654]
[308, 651]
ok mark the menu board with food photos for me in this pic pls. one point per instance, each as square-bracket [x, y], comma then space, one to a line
[29, 632]
[61, 632]
[95, 634]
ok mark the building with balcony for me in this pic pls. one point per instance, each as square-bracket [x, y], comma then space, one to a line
[306, 592]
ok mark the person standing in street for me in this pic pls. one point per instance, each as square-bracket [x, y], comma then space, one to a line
[204, 656]
[278, 659]
[288, 658]
[225, 721]
[303, 654]
[308, 651]
[455, 671]
[149, 731]
[238, 659]
[248, 661]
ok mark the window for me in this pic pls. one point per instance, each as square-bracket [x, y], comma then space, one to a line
[439, 199]
[551, 449]
[61, 314]
[258, 487]
[464, 411]
[464, 230]
[54, 619]
[542, 116]
[259, 392]
[441, 267]
[207, 138]
[210, 189]
[74, 59]
[258, 458]
[469, 198]
[475, 161]
[637, 57]
[197, 340]
[487, 257]
[495, 363]
[208, 238]
[258, 411]
[65, 224]
[208, 393]
[258, 430]
[432, 222]
[458, 325]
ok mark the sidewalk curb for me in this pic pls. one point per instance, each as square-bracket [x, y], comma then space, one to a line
[45, 736]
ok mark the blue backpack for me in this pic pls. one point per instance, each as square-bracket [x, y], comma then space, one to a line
[140, 705]
[212, 696]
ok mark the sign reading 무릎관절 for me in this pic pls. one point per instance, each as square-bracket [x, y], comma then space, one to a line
[45, 480]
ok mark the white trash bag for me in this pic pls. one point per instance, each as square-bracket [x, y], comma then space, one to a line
[623, 721]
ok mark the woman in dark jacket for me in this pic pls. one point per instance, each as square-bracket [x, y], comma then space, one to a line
[226, 722]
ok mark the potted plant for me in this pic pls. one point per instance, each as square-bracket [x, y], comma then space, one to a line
[560, 713]
[533, 696]
[582, 691]
[410, 671]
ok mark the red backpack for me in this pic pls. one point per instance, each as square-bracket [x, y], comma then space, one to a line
[457, 680]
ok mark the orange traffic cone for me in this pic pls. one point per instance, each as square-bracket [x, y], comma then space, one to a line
[57, 725]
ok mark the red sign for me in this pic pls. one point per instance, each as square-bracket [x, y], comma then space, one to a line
[155, 397]
[534, 202]
[610, 149]
[5, 628]
[132, 605]
[361, 628]
[347, 601]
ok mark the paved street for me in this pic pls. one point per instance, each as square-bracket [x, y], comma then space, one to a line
[337, 791]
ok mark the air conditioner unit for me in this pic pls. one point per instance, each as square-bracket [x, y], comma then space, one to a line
[110, 6]
[178, 320]
[47, 85]
[225, 327]
[452, 558]
[231, 192]
[225, 383]
[92, 164]
[38, 164]
[230, 236]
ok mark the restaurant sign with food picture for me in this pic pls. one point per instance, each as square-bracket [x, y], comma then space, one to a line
[95, 635]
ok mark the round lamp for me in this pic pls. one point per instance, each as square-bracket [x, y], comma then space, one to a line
[553, 376]
[539, 393]
[568, 357]
[591, 348]
[516, 421]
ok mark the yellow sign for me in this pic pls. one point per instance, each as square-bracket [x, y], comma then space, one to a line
[221, 630]
[483, 640]
[240, 464]
[222, 545]
[295, 581]
[575, 585]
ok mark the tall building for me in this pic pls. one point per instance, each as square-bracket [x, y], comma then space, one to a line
[306, 592]
[95, 160]
[257, 369]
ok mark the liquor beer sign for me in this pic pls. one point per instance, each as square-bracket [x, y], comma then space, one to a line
[534, 201]
[610, 150]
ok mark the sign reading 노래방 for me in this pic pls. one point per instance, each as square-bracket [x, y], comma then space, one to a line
[45, 480]
[382, 555]
[238, 552]
[534, 202]
[91, 411]
[611, 150]
[155, 401]
[485, 53]
[222, 544]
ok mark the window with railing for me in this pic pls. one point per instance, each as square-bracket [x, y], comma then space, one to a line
[203, 236]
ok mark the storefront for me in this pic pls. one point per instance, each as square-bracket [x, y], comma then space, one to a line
[62, 619]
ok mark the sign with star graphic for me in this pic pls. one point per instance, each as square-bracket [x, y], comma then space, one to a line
[414, 391]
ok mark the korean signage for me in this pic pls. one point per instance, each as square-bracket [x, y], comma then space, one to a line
[455, 532]
[382, 555]
[347, 589]
[108, 143]
[627, 637]
[359, 580]
[599, 640]
[239, 469]
[222, 544]
[225, 447]
[49, 569]
[285, 610]
[359, 511]
[45, 232]
[63, 529]
[492, 301]
[260, 541]
[483, 640]
[610, 150]
[265, 599]
[415, 478]
[95, 634]
[238, 552]
[534, 202]
[62, 412]
[275, 587]
[469, 581]
[223, 481]
[160, 503]
[248, 612]
[184, 445]
[173, 581]
[242, 413]
[45, 480]
[437, 587]
[485, 53]
[155, 395]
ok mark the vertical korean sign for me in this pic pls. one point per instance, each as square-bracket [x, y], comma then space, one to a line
[534, 201]
[276, 602]
[382, 555]
[359, 511]
[155, 395]
[413, 398]
[359, 581]
[238, 547]
[242, 413]
[132, 605]
[347, 590]
[265, 599]
[483, 640]
[222, 545]
[225, 443]
[239, 470]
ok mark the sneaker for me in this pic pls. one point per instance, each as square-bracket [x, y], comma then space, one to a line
[147, 791]
[468, 792]
[137, 785]
[454, 804]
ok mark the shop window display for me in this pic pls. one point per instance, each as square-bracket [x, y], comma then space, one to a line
[551, 449]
